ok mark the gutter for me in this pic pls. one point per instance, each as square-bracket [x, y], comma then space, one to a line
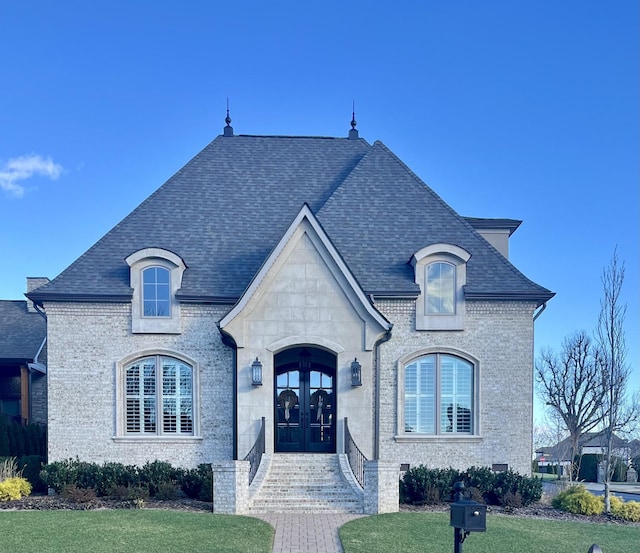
[540, 311]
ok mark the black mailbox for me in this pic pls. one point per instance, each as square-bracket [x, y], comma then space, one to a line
[466, 516]
[469, 516]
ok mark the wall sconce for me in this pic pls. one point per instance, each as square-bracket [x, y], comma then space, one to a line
[356, 373]
[256, 373]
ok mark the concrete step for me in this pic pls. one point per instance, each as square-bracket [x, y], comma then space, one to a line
[305, 483]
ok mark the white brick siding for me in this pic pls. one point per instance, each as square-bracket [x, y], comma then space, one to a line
[86, 341]
[500, 336]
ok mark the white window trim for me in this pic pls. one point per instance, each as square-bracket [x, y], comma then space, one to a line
[138, 262]
[414, 437]
[445, 253]
[121, 434]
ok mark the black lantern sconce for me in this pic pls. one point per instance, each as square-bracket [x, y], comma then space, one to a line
[356, 373]
[256, 373]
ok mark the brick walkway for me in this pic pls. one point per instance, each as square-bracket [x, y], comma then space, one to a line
[317, 533]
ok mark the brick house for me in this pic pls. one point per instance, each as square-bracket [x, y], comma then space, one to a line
[303, 282]
[23, 360]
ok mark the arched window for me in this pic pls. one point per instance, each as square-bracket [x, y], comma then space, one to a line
[158, 397]
[441, 273]
[441, 288]
[156, 278]
[439, 395]
[156, 283]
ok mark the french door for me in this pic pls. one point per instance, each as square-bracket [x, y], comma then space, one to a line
[305, 410]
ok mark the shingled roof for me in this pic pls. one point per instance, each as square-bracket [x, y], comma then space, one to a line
[225, 210]
[21, 333]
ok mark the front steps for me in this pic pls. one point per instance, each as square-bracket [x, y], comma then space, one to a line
[305, 483]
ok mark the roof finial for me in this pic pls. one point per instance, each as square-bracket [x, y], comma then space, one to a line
[228, 130]
[353, 133]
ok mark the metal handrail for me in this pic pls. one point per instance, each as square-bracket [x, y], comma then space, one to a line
[354, 455]
[255, 453]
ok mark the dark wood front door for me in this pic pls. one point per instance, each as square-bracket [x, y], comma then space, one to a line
[305, 410]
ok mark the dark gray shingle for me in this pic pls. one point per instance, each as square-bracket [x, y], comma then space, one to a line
[227, 208]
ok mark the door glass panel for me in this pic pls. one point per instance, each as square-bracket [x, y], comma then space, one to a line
[321, 408]
[288, 409]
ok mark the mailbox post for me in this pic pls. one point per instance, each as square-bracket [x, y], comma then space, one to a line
[466, 516]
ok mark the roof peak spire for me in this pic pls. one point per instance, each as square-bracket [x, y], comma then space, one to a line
[228, 130]
[353, 132]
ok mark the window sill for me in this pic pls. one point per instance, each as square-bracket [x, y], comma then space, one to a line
[156, 439]
[435, 438]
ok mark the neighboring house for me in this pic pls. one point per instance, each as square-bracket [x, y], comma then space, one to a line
[23, 361]
[302, 280]
[590, 443]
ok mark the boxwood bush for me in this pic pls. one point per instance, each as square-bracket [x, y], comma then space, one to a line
[579, 501]
[421, 485]
[156, 479]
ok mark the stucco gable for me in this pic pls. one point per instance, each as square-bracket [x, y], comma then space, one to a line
[304, 288]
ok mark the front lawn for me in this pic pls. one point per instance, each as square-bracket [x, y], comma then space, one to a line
[431, 533]
[142, 531]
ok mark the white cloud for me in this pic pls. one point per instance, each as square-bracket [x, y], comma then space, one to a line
[23, 168]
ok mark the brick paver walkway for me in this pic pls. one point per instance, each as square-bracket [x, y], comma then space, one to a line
[307, 533]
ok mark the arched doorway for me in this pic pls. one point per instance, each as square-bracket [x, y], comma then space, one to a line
[305, 400]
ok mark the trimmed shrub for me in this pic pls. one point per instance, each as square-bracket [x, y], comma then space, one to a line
[588, 468]
[626, 510]
[113, 475]
[14, 488]
[419, 485]
[198, 483]
[70, 472]
[157, 479]
[4, 439]
[579, 501]
[31, 465]
[156, 474]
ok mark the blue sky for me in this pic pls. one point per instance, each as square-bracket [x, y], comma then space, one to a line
[525, 110]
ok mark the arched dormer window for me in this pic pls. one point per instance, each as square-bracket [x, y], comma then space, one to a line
[156, 286]
[440, 287]
[441, 273]
[156, 276]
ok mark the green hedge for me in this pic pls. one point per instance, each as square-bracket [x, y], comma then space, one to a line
[421, 485]
[156, 479]
[17, 440]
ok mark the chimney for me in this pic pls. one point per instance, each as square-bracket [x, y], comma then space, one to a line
[32, 284]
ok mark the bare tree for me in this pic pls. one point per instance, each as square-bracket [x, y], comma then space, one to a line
[551, 436]
[571, 385]
[618, 413]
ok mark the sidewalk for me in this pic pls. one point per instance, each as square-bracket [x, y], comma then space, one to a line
[317, 533]
[615, 487]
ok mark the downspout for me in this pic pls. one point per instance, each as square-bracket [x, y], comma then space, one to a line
[542, 308]
[228, 340]
[35, 359]
[533, 353]
[376, 360]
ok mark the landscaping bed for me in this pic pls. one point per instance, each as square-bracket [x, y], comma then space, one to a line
[541, 510]
[56, 502]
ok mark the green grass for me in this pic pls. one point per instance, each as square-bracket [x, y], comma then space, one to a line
[431, 533]
[127, 531]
